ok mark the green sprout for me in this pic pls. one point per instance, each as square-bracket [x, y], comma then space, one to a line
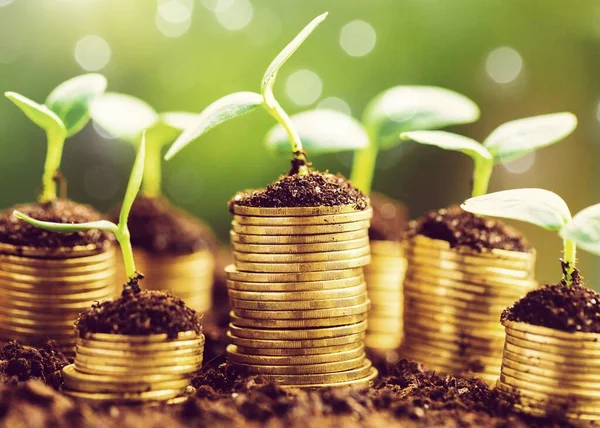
[126, 117]
[506, 143]
[64, 114]
[549, 211]
[395, 110]
[239, 103]
[121, 230]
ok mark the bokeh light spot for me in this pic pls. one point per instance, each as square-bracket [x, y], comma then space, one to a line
[175, 11]
[358, 38]
[521, 165]
[235, 17]
[100, 182]
[504, 64]
[335, 103]
[303, 87]
[217, 5]
[92, 53]
[5, 2]
[172, 29]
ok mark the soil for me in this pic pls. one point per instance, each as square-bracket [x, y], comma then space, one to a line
[160, 228]
[390, 218]
[573, 308]
[139, 312]
[17, 232]
[312, 190]
[463, 229]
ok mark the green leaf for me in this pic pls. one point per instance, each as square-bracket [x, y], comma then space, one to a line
[269, 77]
[71, 99]
[321, 131]
[178, 119]
[448, 141]
[519, 137]
[67, 227]
[415, 108]
[123, 116]
[41, 115]
[228, 107]
[584, 229]
[135, 182]
[537, 206]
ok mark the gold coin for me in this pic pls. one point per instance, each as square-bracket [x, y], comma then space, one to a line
[129, 371]
[299, 230]
[481, 259]
[294, 277]
[303, 314]
[7, 331]
[361, 382]
[301, 305]
[388, 265]
[305, 220]
[564, 364]
[481, 271]
[56, 298]
[423, 241]
[457, 345]
[578, 337]
[579, 375]
[298, 239]
[313, 333]
[36, 317]
[293, 211]
[467, 335]
[384, 284]
[26, 272]
[166, 346]
[425, 304]
[299, 351]
[47, 324]
[57, 289]
[430, 354]
[93, 387]
[382, 324]
[135, 354]
[387, 248]
[308, 379]
[456, 296]
[71, 374]
[302, 258]
[296, 323]
[302, 267]
[529, 384]
[296, 287]
[133, 397]
[235, 356]
[305, 369]
[553, 349]
[144, 339]
[553, 341]
[304, 343]
[75, 251]
[385, 297]
[139, 362]
[383, 341]
[51, 262]
[300, 248]
[294, 296]
[564, 358]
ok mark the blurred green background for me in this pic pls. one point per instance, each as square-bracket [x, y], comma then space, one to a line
[515, 58]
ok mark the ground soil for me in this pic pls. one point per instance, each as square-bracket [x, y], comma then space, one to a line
[463, 229]
[312, 190]
[390, 218]
[561, 307]
[139, 312]
[160, 228]
[17, 232]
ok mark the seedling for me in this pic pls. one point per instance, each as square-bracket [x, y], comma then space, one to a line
[396, 110]
[548, 210]
[240, 103]
[64, 114]
[506, 143]
[126, 117]
[121, 230]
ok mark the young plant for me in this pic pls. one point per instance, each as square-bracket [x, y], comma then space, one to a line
[395, 110]
[121, 230]
[506, 143]
[548, 210]
[240, 103]
[126, 117]
[65, 113]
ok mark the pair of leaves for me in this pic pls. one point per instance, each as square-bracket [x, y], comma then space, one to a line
[545, 209]
[240, 103]
[66, 110]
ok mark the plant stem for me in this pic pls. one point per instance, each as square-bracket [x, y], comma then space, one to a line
[56, 142]
[569, 260]
[363, 167]
[123, 236]
[151, 184]
[482, 172]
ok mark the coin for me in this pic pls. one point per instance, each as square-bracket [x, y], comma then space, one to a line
[302, 314]
[302, 258]
[304, 220]
[235, 356]
[297, 344]
[126, 396]
[166, 346]
[234, 274]
[299, 239]
[126, 387]
[296, 323]
[305, 369]
[301, 305]
[302, 267]
[361, 382]
[61, 252]
[383, 341]
[300, 248]
[293, 296]
[298, 351]
[387, 248]
[577, 377]
[129, 371]
[314, 333]
[382, 324]
[307, 379]
[71, 374]
[296, 287]
[144, 339]
[293, 211]
[135, 354]
[142, 363]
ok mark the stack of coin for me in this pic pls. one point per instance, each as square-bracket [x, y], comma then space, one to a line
[42, 292]
[384, 277]
[550, 372]
[298, 297]
[189, 277]
[133, 369]
[453, 301]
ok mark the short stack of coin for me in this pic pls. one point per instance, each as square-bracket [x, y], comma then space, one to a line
[42, 292]
[189, 277]
[133, 369]
[384, 277]
[550, 372]
[453, 301]
[298, 297]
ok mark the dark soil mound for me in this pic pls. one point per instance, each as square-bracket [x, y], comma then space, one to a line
[17, 232]
[389, 219]
[160, 228]
[139, 312]
[461, 228]
[313, 190]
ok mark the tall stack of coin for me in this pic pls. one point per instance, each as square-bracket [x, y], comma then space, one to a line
[551, 372]
[384, 277]
[42, 292]
[133, 369]
[453, 301]
[298, 297]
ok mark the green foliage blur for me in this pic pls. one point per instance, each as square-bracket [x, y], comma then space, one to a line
[549, 59]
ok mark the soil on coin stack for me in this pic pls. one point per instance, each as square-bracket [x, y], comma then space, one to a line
[313, 190]
[463, 229]
[17, 232]
[160, 228]
[390, 218]
[139, 312]
[570, 308]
